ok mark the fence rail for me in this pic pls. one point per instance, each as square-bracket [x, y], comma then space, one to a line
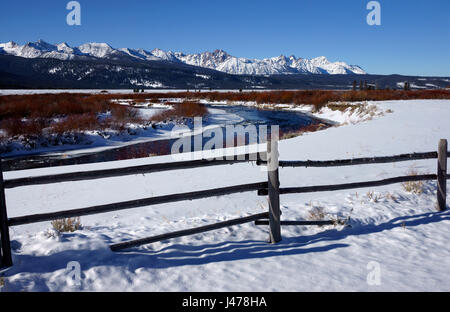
[346, 186]
[136, 203]
[356, 161]
[271, 187]
[295, 222]
[210, 227]
[359, 161]
[117, 172]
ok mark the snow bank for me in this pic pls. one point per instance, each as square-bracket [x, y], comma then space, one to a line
[399, 231]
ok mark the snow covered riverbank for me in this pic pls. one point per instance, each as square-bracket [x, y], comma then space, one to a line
[91, 141]
[399, 231]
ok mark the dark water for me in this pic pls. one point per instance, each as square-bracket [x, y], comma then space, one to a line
[287, 121]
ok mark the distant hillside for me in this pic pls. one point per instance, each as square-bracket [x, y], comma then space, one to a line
[19, 72]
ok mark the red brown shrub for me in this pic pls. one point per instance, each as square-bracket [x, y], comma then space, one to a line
[30, 114]
[183, 109]
[28, 127]
[81, 122]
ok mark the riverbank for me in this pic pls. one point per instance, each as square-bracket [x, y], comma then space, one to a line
[138, 141]
[36, 121]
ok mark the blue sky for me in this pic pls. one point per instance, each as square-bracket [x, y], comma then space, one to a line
[414, 36]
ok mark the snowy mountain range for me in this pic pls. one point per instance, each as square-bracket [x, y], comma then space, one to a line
[218, 60]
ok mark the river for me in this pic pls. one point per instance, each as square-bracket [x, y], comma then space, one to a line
[288, 121]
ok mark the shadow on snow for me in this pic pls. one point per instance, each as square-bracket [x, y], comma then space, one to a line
[181, 255]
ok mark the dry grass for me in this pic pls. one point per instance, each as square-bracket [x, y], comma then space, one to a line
[284, 135]
[415, 187]
[31, 115]
[319, 98]
[186, 109]
[37, 106]
[316, 213]
[290, 134]
[390, 196]
[373, 197]
[66, 225]
[81, 122]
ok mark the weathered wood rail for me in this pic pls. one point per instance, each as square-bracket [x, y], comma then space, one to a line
[270, 187]
[359, 161]
[201, 229]
[295, 222]
[347, 186]
[164, 199]
[5, 222]
[117, 172]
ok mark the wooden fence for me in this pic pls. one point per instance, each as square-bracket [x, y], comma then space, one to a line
[271, 187]
[441, 176]
[5, 222]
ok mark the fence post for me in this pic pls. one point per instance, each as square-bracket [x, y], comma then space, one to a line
[6, 259]
[442, 175]
[273, 189]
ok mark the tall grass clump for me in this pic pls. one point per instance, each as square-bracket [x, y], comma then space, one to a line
[67, 225]
[415, 187]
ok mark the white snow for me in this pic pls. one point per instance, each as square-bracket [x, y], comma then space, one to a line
[146, 83]
[218, 59]
[222, 61]
[398, 230]
[203, 76]
[412, 85]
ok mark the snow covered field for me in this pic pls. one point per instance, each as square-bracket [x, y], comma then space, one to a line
[398, 232]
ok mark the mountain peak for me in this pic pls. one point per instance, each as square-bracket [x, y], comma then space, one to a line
[97, 49]
[9, 44]
[65, 48]
[218, 59]
[41, 45]
[219, 51]
[220, 55]
[97, 44]
[165, 55]
[320, 58]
